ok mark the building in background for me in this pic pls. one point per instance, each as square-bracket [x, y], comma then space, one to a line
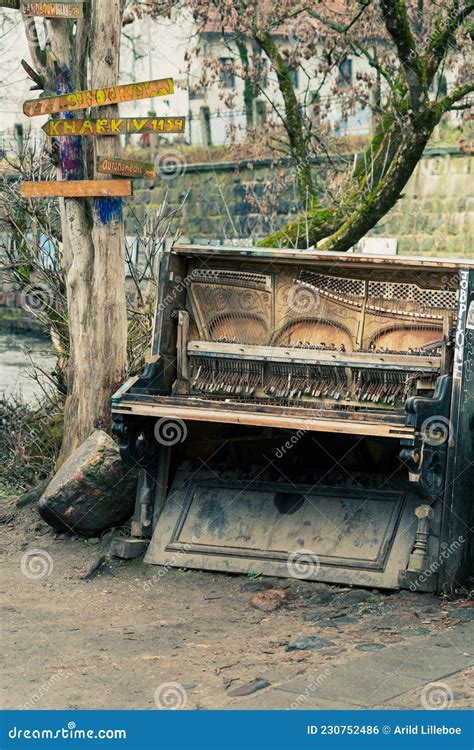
[157, 48]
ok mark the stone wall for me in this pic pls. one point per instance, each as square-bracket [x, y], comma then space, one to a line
[228, 202]
[243, 202]
[436, 214]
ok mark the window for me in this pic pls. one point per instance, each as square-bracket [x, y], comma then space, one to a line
[264, 74]
[205, 116]
[345, 73]
[442, 86]
[226, 73]
[294, 77]
[260, 113]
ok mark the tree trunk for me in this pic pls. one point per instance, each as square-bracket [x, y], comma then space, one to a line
[394, 156]
[293, 121]
[93, 253]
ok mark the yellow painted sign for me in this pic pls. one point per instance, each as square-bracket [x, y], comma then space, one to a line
[56, 9]
[126, 167]
[76, 189]
[115, 126]
[98, 97]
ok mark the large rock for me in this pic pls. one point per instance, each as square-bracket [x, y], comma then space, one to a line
[92, 491]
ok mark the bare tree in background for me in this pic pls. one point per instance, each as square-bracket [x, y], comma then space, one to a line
[407, 45]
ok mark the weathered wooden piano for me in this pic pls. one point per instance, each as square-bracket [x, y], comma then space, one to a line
[306, 414]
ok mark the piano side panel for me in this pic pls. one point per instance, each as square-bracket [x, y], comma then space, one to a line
[456, 554]
[171, 296]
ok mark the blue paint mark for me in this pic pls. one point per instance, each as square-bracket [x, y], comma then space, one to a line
[109, 209]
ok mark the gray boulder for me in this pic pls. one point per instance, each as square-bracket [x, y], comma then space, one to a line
[92, 491]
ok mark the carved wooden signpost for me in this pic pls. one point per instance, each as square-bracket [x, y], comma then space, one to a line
[77, 189]
[126, 167]
[55, 9]
[114, 126]
[111, 126]
[98, 97]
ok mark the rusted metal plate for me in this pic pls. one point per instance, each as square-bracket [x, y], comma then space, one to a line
[126, 167]
[114, 126]
[287, 530]
[77, 189]
[98, 97]
[55, 9]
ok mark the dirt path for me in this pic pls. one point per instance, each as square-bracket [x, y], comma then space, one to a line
[135, 634]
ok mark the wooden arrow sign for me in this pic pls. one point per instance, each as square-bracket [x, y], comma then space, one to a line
[77, 189]
[115, 126]
[98, 97]
[126, 167]
[56, 9]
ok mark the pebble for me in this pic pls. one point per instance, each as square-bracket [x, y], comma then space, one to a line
[337, 621]
[412, 632]
[323, 598]
[249, 688]
[270, 600]
[369, 646]
[308, 643]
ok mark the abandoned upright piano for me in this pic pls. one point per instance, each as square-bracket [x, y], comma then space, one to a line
[306, 414]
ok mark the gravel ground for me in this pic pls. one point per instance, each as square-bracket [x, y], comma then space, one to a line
[141, 637]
